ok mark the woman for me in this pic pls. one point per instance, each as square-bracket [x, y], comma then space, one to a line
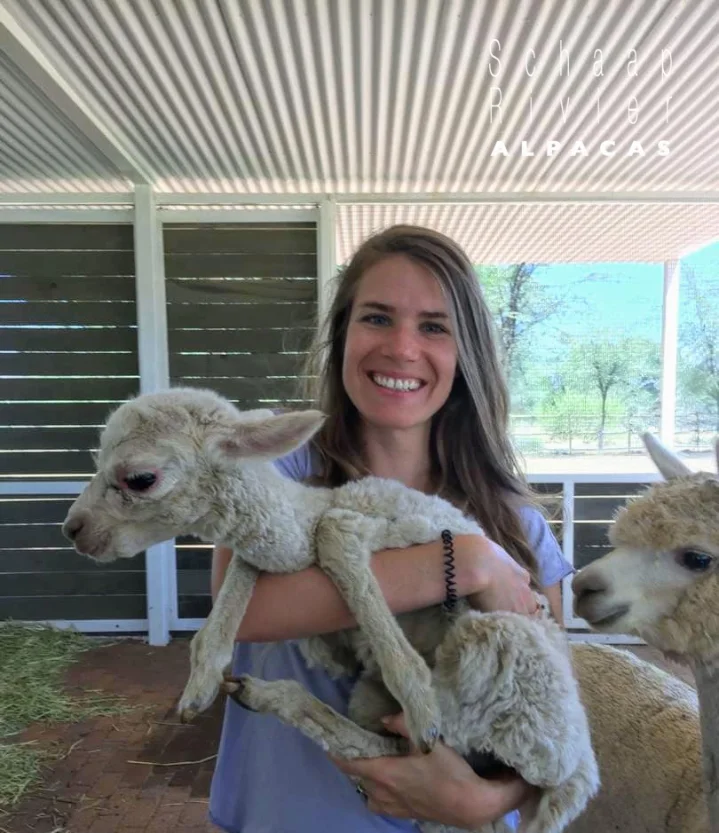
[413, 388]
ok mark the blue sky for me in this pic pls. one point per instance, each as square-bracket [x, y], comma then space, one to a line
[708, 257]
[618, 298]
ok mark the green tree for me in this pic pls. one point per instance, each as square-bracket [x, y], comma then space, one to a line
[603, 385]
[522, 306]
[607, 370]
[519, 303]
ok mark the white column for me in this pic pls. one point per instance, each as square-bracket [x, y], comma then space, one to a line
[670, 333]
[152, 348]
[568, 551]
[326, 255]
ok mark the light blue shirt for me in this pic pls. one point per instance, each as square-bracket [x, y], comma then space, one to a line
[269, 778]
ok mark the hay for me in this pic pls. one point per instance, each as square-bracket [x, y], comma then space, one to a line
[20, 768]
[33, 660]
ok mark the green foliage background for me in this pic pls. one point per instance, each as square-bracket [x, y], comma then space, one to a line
[595, 387]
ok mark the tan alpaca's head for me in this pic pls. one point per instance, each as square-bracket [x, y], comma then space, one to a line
[661, 580]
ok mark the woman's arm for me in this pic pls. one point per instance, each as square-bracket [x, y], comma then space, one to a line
[554, 597]
[307, 603]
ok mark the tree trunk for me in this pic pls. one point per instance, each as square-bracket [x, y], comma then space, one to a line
[602, 422]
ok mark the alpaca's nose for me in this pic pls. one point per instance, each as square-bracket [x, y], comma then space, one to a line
[587, 583]
[73, 525]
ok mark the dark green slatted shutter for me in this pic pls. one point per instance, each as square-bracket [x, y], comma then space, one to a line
[68, 355]
[241, 311]
[68, 344]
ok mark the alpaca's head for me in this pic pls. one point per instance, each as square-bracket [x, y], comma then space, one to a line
[661, 580]
[163, 464]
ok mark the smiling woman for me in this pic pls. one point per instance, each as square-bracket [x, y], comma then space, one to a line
[411, 382]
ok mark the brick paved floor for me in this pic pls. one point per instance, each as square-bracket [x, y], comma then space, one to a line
[94, 789]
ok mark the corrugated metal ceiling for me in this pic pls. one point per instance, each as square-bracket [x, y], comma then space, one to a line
[546, 233]
[392, 95]
[369, 96]
[42, 151]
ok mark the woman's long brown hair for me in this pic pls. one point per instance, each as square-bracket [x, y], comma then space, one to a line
[473, 461]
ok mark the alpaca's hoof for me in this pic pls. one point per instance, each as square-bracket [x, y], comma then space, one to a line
[234, 688]
[232, 685]
[199, 694]
[429, 740]
[186, 715]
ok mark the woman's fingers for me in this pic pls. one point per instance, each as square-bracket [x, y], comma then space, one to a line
[395, 723]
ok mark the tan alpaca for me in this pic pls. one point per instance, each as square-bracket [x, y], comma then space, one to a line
[660, 583]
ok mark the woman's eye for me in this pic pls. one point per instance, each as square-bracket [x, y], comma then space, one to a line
[140, 482]
[376, 318]
[433, 328]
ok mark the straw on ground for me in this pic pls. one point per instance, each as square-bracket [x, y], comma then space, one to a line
[33, 660]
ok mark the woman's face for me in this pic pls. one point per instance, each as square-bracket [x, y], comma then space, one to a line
[400, 352]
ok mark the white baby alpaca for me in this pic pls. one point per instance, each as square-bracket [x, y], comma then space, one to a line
[186, 461]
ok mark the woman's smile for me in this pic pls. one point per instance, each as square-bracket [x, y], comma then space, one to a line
[393, 384]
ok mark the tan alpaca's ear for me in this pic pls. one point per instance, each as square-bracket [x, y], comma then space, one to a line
[666, 461]
[266, 439]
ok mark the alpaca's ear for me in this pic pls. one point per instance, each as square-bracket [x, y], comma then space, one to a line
[268, 438]
[666, 461]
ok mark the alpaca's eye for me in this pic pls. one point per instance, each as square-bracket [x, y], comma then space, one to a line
[695, 560]
[140, 482]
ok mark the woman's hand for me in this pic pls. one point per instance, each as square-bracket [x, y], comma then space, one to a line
[439, 787]
[504, 584]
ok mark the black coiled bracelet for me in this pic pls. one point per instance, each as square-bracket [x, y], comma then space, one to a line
[450, 573]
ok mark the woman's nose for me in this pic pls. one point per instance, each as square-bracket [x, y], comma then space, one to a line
[401, 343]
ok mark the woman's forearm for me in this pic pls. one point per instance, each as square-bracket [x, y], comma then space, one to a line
[307, 603]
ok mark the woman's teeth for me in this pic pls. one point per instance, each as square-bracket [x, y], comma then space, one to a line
[395, 384]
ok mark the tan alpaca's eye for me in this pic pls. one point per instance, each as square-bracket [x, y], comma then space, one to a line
[140, 482]
[695, 560]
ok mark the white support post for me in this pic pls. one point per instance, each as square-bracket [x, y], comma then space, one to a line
[152, 348]
[326, 255]
[568, 549]
[670, 334]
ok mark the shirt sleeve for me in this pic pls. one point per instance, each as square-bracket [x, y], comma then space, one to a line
[296, 465]
[553, 566]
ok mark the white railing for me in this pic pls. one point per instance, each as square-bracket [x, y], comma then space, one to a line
[165, 594]
[577, 626]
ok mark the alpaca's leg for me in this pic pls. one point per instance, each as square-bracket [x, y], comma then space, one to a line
[519, 665]
[559, 806]
[212, 646]
[292, 704]
[345, 557]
